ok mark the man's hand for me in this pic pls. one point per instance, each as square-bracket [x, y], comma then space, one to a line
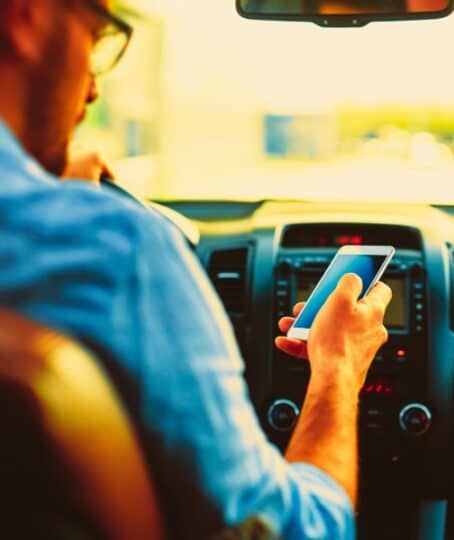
[346, 333]
[86, 165]
[342, 344]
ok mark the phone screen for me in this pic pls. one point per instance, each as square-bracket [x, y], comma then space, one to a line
[366, 266]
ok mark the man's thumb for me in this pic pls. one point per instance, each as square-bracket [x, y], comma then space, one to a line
[350, 286]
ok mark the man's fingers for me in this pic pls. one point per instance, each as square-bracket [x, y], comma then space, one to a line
[298, 307]
[294, 347]
[285, 323]
[87, 164]
[379, 296]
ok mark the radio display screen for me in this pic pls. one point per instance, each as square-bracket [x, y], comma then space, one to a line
[396, 314]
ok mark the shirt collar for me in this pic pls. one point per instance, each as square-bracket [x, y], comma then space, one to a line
[9, 142]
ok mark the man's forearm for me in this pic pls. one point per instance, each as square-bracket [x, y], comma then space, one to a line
[326, 434]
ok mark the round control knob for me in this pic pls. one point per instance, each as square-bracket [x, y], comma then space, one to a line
[415, 419]
[282, 414]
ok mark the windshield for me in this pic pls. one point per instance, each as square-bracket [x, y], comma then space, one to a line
[206, 105]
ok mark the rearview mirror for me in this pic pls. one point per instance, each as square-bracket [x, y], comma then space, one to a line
[344, 12]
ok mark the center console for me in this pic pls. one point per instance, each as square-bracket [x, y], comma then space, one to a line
[395, 414]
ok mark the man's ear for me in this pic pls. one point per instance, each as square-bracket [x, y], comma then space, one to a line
[25, 26]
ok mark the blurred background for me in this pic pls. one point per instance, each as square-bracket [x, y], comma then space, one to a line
[206, 105]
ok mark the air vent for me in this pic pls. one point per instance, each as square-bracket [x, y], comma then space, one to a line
[228, 272]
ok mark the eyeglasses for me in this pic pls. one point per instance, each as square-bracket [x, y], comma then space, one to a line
[112, 40]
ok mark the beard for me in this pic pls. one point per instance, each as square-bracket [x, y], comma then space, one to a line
[50, 119]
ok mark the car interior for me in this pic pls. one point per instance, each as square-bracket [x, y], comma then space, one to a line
[271, 132]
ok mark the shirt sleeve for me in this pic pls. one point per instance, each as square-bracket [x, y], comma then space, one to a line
[195, 401]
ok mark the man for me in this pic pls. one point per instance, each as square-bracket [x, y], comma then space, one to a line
[121, 279]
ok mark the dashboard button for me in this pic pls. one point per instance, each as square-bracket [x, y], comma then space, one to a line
[374, 425]
[374, 413]
[400, 355]
[282, 292]
[374, 419]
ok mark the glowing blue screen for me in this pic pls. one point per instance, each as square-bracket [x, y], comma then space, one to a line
[365, 266]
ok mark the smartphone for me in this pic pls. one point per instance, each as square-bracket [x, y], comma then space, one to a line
[368, 262]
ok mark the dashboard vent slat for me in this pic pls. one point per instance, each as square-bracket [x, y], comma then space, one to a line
[228, 272]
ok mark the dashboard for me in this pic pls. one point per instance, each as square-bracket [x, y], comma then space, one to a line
[263, 257]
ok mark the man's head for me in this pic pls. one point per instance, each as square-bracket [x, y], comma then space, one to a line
[50, 52]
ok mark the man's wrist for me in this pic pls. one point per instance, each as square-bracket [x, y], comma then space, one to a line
[337, 374]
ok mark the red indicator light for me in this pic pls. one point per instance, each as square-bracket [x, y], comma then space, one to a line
[322, 241]
[377, 387]
[344, 239]
[401, 353]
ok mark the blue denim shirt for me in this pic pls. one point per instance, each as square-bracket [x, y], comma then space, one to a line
[121, 278]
